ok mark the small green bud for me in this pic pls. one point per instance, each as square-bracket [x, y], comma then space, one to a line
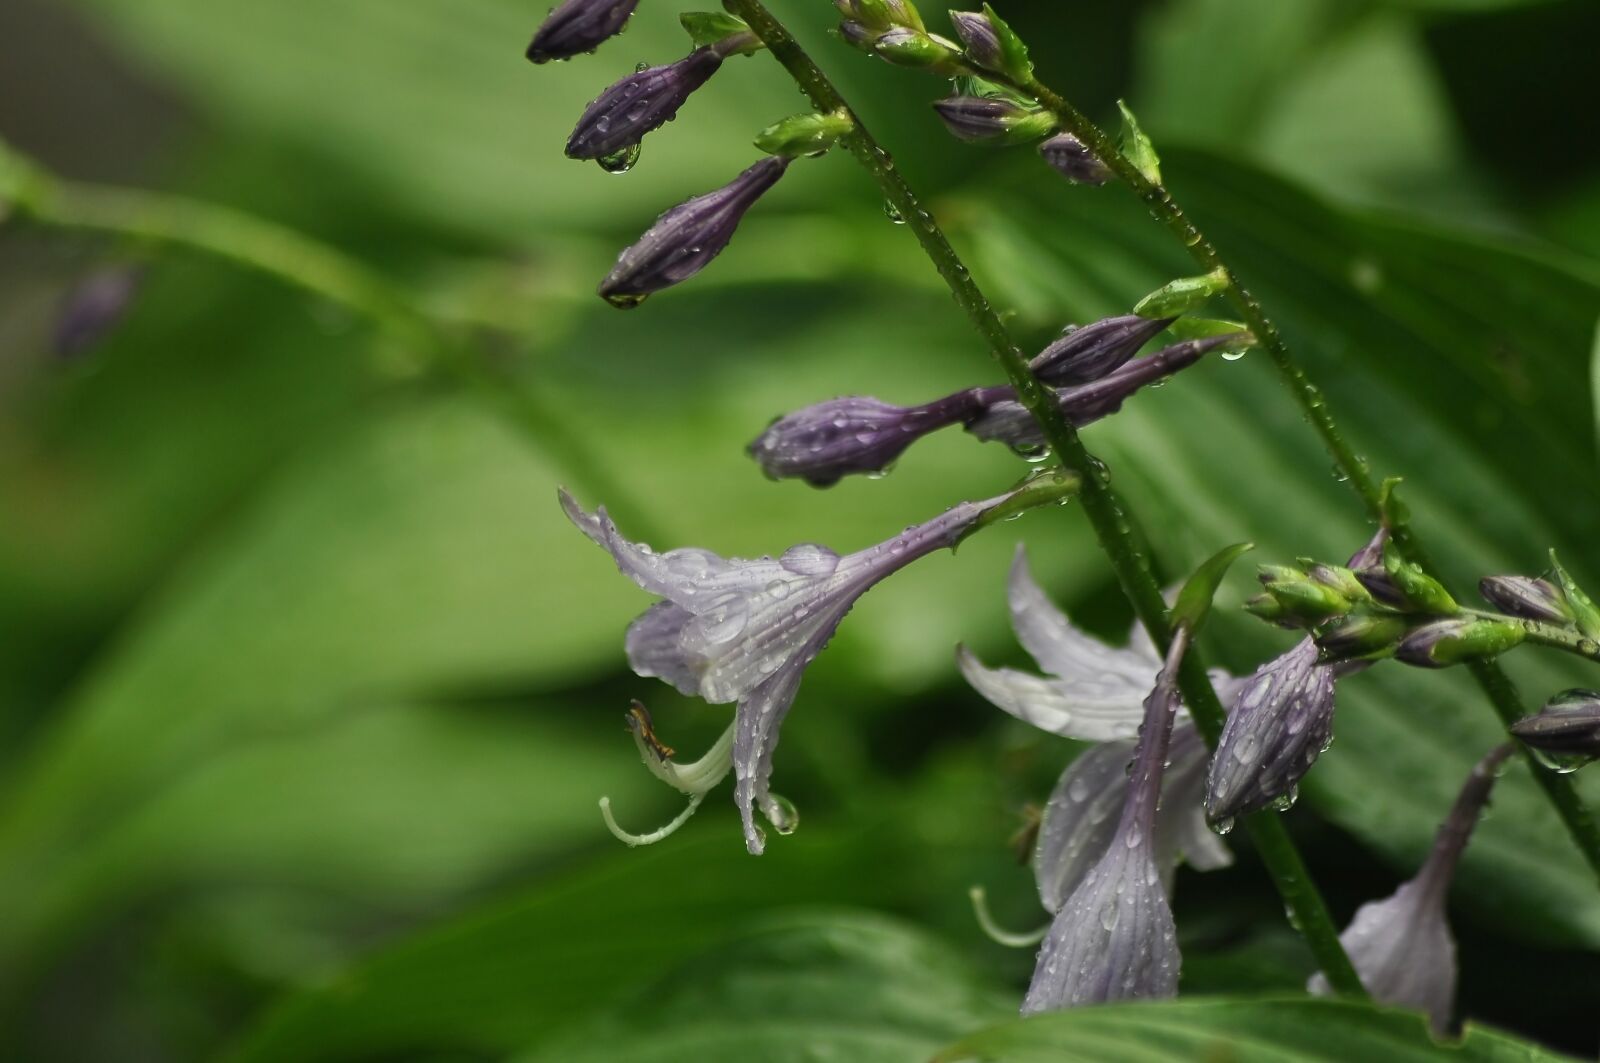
[1308, 602]
[1359, 635]
[1584, 613]
[1183, 294]
[881, 14]
[1267, 608]
[1138, 148]
[1421, 592]
[1270, 574]
[1340, 579]
[916, 49]
[1441, 643]
[992, 45]
[805, 134]
[1203, 328]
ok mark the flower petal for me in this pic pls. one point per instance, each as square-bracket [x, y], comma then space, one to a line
[1059, 706]
[654, 647]
[756, 725]
[1402, 948]
[1080, 819]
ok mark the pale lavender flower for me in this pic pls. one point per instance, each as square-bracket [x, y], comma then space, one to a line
[620, 116]
[1401, 946]
[579, 26]
[1072, 159]
[685, 239]
[1526, 597]
[1113, 937]
[743, 631]
[1008, 421]
[94, 307]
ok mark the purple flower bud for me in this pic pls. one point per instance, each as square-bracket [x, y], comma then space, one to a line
[686, 238]
[1279, 722]
[1083, 355]
[1072, 159]
[982, 43]
[579, 26]
[1007, 421]
[858, 35]
[622, 114]
[1526, 597]
[94, 307]
[1442, 643]
[1568, 728]
[977, 119]
[1401, 946]
[829, 440]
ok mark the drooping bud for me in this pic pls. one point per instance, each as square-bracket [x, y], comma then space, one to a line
[1007, 421]
[1279, 721]
[621, 115]
[805, 134]
[1441, 643]
[94, 307]
[1566, 733]
[1419, 591]
[993, 119]
[579, 26]
[1086, 354]
[1401, 946]
[822, 443]
[1072, 159]
[1359, 635]
[1183, 294]
[1527, 598]
[686, 238]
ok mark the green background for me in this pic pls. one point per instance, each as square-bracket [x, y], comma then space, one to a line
[307, 688]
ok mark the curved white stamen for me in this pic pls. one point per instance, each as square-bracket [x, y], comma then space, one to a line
[696, 777]
[994, 931]
[634, 840]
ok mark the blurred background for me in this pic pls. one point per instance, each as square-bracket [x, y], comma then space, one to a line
[308, 690]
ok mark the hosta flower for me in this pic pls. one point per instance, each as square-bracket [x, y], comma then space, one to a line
[620, 116]
[743, 631]
[1095, 693]
[1401, 946]
[1113, 937]
[579, 26]
[685, 239]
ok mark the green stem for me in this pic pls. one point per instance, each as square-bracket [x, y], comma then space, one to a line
[315, 268]
[1580, 823]
[1101, 504]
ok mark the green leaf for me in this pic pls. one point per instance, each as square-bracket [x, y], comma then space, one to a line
[1194, 600]
[845, 987]
[1241, 1031]
[708, 27]
[1137, 146]
[1183, 294]
[1594, 381]
[1584, 612]
[1013, 52]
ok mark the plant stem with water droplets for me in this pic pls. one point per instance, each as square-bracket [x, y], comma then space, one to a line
[1102, 506]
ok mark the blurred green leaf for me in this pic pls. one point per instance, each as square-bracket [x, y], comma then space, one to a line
[1435, 349]
[843, 987]
[433, 104]
[1594, 378]
[1240, 1031]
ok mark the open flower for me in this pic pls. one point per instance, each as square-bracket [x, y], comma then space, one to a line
[1113, 937]
[734, 630]
[1401, 946]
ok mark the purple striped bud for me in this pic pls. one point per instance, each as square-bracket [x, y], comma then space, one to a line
[822, 443]
[1083, 355]
[685, 239]
[1527, 598]
[1442, 643]
[1567, 732]
[621, 115]
[980, 38]
[858, 35]
[93, 308]
[579, 26]
[1072, 159]
[992, 119]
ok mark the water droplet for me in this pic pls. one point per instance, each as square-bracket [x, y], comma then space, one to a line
[892, 212]
[624, 300]
[640, 67]
[620, 161]
[778, 589]
[781, 813]
[1234, 356]
[809, 559]
[1078, 790]
[1284, 802]
[1223, 825]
